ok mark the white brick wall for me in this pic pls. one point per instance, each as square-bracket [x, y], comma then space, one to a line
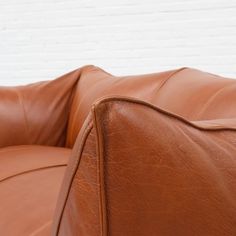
[42, 39]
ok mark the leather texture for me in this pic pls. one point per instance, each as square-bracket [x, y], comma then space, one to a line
[148, 155]
[79, 196]
[151, 172]
[30, 179]
[188, 92]
[95, 83]
[36, 113]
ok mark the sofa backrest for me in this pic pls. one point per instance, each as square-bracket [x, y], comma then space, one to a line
[190, 93]
[36, 113]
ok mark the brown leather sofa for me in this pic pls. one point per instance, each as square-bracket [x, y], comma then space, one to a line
[92, 154]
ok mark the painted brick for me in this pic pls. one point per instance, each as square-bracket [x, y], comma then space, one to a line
[40, 40]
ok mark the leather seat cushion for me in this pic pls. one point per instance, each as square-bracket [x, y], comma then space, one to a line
[30, 179]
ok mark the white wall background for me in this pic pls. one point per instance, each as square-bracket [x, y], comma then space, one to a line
[42, 39]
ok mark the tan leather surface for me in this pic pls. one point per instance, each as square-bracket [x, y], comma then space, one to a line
[198, 95]
[162, 168]
[187, 92]
[30, 178]
[16, 160]
[151, 172]
[36, 113]
[95, 83]
[81, 215]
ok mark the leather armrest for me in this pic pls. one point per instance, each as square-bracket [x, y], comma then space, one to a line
[139, 170]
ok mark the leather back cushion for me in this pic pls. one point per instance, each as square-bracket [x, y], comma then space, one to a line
[95, 83]
[188, 92]
[36, 113]
[139, 170]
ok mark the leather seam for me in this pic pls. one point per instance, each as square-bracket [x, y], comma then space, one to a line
[16, 149]
[157, 109]
[25, 147]
[101, 173]
[86, 133]
[101, 145]
[29, 171]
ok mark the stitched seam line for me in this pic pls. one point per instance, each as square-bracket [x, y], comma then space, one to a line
[28, 171]
[86, 133]
[103, 203]
[101, 174]
[157, 109]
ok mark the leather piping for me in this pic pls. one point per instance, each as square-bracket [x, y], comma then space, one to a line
[101, 175]
[69, 135]
[86, 133]
[100, 147]
[157, 109]
[32, 170]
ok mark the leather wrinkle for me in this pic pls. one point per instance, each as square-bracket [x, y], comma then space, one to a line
[161, 111]
[40, 228]
[27, 127]
[80, 148]
[211, 98]
[149, 152]
[80, 71]
[171, 76]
